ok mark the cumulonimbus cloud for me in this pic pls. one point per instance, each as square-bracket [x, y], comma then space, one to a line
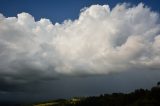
[100, 41]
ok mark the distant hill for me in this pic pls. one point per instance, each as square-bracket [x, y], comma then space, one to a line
[140, 97]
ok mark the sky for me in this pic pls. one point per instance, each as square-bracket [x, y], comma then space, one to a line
[60, 10]
[66, 48]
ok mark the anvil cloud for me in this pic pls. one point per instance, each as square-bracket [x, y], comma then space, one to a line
[100, 41]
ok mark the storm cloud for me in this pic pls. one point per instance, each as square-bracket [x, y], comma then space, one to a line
[100, 41]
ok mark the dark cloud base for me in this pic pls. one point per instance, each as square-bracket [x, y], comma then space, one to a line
[82, 86]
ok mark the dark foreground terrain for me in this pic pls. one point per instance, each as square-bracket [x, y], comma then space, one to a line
[140, 97]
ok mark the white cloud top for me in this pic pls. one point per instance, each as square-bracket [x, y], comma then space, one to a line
[100, 41]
